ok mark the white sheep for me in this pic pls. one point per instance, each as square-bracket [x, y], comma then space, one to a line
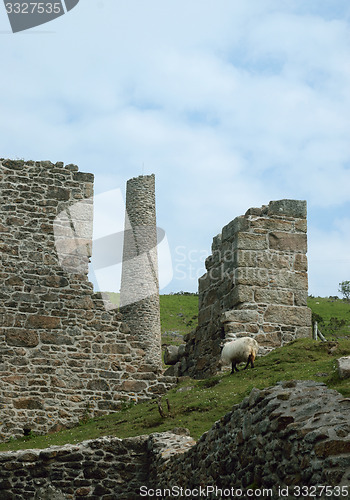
[243, 349]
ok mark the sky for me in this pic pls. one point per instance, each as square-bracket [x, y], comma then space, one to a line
[230, 104]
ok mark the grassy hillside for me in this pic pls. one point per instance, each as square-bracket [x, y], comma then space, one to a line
[332, 315]
[198, 404]
[179, 315]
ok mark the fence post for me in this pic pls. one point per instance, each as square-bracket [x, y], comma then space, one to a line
[322, 337]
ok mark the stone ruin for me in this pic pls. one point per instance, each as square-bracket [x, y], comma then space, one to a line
[139, 293]
[63, 356]
[256, 285]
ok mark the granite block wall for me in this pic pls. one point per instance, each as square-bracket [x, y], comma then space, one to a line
[62, 355]
[256, 285]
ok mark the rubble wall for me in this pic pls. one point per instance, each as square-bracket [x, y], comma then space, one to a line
[293, 435]
[63, 357]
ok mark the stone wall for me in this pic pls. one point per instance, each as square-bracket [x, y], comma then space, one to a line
[106, 468]
[278, 439]
[293, 434]
[256, 285]
[62, 355]
[139, 294]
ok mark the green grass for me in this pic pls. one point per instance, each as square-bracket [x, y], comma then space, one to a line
[197, 404]
[178, 315]
[114, 297]
[335, 315]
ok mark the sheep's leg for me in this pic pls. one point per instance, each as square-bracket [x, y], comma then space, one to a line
[250, 360]
[234, 367]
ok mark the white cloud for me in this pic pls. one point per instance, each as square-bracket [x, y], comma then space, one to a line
[231, 104]
[329, 258]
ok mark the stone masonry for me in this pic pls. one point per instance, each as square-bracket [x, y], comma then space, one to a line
[256, 285]
[139, 295]
[62, 355]
[295, 434]
[102, 468]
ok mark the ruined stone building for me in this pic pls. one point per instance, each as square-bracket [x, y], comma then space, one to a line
[62, 354]
[256, 285]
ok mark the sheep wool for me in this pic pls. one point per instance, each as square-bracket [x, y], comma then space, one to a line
[243, 349]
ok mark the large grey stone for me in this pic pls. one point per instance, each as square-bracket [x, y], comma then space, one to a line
[240, 316]
[343, 365]
[288, 242]
[49, 493]
[291, 208]
[236, 225]
[288, 315]
[250, 241]
[171, 354]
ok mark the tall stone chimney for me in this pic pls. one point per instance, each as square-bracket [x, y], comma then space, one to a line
[139, 296]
